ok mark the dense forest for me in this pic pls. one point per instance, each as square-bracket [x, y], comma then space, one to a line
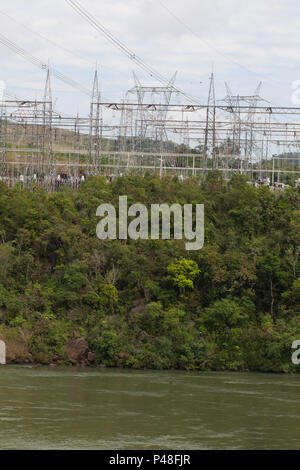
[233, 305]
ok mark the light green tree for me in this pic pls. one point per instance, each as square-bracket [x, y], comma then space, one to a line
[183, 273]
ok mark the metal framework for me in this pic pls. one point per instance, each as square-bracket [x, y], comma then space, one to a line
[150, 130]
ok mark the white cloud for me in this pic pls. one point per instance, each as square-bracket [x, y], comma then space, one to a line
[244, 41]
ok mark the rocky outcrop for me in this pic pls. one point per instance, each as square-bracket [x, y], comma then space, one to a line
[17, 351]
[91, 356]
[138, 307]
[77, 350]
[17, 342]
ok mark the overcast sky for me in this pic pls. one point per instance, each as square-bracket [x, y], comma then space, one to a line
[243, 41]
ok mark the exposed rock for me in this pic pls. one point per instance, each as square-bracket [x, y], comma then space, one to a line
[91, 356]
[123, 354]
[57, 357]
[139, 307]
[83, 364]
[77, 349]
[16, 347]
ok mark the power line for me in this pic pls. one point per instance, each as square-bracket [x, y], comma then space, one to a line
[211, 46]
[84, 14]
[50, 41]
[41, 65]
[115, 41]
[75, 54]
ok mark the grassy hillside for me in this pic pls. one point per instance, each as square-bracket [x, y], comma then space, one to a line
[234, 305]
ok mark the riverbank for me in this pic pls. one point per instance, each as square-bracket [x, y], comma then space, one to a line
[76, 352]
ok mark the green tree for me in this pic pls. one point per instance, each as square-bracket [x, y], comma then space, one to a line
[183, 273]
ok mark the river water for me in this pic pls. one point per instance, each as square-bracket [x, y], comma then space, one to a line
[77, 408]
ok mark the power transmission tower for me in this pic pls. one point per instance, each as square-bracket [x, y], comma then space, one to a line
[150, 124]
[210, 128]
[48, 160]
[95, 130]
[3, 137]
[243, 137]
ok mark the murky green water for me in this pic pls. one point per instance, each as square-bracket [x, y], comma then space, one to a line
[65, 408]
